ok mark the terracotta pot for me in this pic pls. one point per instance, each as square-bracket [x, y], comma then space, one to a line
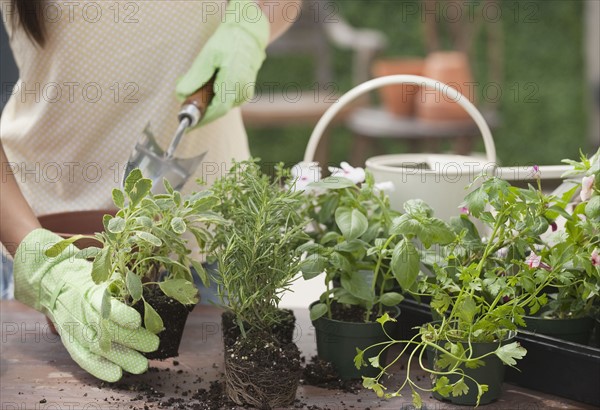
[67, 224]
[451, 68]
[399, 99]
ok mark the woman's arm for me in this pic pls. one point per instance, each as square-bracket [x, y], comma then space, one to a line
[280, 14]
[16, 216]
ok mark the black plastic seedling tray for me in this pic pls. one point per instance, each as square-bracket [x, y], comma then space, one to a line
[551, 365]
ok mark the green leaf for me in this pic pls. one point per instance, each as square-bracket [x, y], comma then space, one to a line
[313, 266]
[442, 386]
[539, 226]
[134, 176]
[178, 225]
[351, 222]
[118, 198]
[359, 361]
[202, 274]
[418, 207]
[60, 246]
[148, 237]
[105, 305]
[468, 309]
[101, 267]
[475, 201]
[104, 340]
[134, 285]
[152, 321]
[510, 353]
[116, 225]
[333, 183]
[459, 388]
[416, 399]
[405, 263]
[592, 208]
[358, 283]
[317, 311]
[168, 186]
[481, 389]
[340, 262]
[391, 298]
[374, 361]
[139, 191]
[406, 225]
[383, 319]
[440, 231]
[181, 290]
[88, 253]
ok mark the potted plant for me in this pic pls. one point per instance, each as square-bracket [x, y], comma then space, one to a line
[256, 264]
[572, 250]
[145, 258]
[351, 248]
[480, 290]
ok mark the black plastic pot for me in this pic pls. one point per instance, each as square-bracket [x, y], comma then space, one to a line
[491, 374]
[576, 330]
[337, 342]
[174, 316]
[558, 367]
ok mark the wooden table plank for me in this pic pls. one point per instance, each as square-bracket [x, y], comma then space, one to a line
[36, 372]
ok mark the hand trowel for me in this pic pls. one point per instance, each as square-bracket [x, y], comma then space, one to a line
[157, 164]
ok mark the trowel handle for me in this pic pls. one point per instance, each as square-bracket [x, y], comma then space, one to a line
[194, 107]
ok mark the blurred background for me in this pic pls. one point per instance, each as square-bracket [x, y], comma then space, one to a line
[532, 66]
[535, 68]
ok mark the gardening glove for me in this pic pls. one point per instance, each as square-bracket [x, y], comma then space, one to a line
[61, 287]
[235, 52]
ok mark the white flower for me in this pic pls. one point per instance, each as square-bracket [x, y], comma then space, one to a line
[595, 258]
[587, 187]
[356, 175]
[304, 173]
[534, 260]
[385, 186]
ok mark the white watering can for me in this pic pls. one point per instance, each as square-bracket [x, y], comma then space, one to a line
[438, 179]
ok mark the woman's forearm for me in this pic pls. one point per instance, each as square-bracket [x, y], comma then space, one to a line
[281, 14]
[16, 216]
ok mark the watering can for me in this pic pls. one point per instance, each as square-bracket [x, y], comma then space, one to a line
[441, 180]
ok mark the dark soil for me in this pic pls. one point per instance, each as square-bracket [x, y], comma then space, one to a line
[174, 316]
[283, 332]
[321, 373]
[260, 369]
[350, 313]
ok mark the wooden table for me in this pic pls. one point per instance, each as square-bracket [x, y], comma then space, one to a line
[37, 373]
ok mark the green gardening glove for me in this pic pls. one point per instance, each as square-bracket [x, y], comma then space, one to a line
[62, 288]
[235, 52]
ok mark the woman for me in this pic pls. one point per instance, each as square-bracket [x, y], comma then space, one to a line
[92, 75]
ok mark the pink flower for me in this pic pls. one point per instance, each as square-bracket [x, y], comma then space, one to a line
[464, 210]
[356, 175]
[595, 258]
[535, 261]
[535, 172]
[587, 187]
[304, 173]
[554, 226]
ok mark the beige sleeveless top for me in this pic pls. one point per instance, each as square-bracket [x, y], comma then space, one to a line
[81, 102]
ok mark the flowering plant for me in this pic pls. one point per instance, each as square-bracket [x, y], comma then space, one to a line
[573, 250]
[351, 244]
[480, 287]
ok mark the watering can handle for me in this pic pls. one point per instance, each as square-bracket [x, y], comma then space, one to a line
[195, 105]
[370, 85]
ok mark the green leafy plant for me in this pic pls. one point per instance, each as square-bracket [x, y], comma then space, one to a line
[480, 287]
[144, 245]
[351, 244]
[573, 248]
[255, 250]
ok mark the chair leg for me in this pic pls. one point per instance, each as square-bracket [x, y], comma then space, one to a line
[463, 145]
[359, 152]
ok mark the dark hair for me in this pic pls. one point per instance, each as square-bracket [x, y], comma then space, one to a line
[29, 15]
